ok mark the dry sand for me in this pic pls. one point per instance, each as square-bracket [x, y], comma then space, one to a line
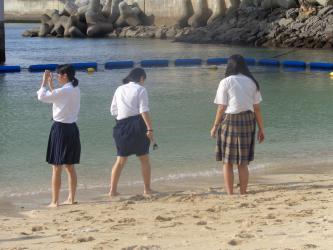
[281, 211]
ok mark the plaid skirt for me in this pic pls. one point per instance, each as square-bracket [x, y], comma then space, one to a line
[236, 138]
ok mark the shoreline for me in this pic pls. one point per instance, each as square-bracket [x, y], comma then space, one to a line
[14, 205]
[291, 209]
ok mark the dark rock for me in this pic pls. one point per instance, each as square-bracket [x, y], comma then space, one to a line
[285, 22]
[292, 13]
[30, 33]
[171, 33]
[325, 11]
[161, 32]
[296, 26]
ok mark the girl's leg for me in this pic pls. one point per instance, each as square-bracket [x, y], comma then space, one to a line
[146, 172]
[115, 174]
[228, 178]
[243, 172]
[56, 184]
[72, 183]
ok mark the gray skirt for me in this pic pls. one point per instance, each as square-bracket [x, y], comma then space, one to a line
[236, 138]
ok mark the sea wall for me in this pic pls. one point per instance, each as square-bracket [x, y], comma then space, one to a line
[165, 11]
[28, 10]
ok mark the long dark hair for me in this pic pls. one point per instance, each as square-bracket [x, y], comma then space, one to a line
[135, 76]
[69, 71]
[237, 65]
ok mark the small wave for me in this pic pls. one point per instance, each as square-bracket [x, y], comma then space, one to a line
[171, 177]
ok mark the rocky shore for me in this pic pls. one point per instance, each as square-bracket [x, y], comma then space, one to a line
[265, 28]
[252, 27]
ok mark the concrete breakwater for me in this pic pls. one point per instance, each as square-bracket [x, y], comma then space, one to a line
[166, 12]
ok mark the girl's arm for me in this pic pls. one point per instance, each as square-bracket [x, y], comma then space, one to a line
[43, 94]
[147, 120]
[258, 115]
[218, 118]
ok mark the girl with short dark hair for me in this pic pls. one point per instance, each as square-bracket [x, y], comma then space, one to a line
[238, 97]
[64, 147]
[133, 131]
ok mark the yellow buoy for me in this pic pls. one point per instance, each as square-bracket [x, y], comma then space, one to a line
[90, 70]
[331, 74]
[213, 67]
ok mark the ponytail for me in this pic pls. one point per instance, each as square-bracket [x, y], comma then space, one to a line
[70, 72]
[126, 80]
[75, 82]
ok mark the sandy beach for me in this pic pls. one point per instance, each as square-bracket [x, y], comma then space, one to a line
[283, 210]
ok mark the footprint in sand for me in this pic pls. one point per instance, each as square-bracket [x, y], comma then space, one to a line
[139, 197]
[214, 209]
[201, 223]
[83, 239]
[244, 235]
[84, 218]
[163, 218]
[108, 221]
[309, 246]
[174, 224]
[234, 242]
[270, 216]
[75, 211]
[136, 247]
[37, 228]
[247, 205]
[127, 221]
[125, 207]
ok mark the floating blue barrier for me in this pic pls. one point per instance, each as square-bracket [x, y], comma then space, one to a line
[294, 64]
[9, 69]
[84, 66]
[321, 65]
[119, 64]
[294, 69]
[42, 67]
[250, 61]
[269, 62]
[155, 63]
[188, 61]
[217, 61]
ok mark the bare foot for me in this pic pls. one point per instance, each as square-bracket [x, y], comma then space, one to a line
[69, 202]
[53, 205]
[147, 193]
[113, 194]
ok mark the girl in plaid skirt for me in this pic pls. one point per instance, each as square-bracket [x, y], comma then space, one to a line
[238, 97]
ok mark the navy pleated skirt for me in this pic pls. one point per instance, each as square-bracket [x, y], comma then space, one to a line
[64, 145]
[130, 135]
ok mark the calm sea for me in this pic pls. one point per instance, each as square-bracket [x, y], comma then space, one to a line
[297, 110]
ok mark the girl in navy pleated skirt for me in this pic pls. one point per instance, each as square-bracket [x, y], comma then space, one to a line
[133, 130]
[64, 147]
